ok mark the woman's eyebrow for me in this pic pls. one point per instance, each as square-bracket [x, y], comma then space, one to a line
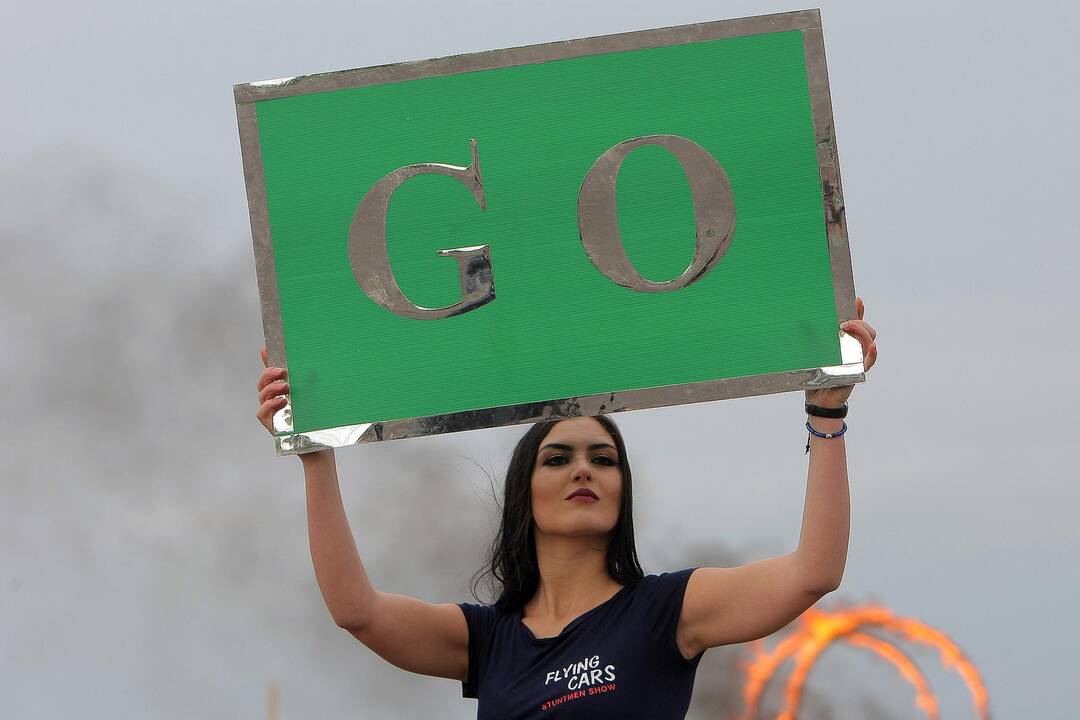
[564, 446]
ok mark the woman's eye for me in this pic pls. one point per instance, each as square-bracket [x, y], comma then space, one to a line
[562, 460]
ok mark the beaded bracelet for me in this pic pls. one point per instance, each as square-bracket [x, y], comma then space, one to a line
[828, 436]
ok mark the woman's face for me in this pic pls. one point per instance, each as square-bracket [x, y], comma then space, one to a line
[577, 480]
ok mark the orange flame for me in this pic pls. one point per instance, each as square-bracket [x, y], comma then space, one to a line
[924, 697]
[818, 629]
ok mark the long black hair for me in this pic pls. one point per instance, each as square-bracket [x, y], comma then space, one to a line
[513, 566]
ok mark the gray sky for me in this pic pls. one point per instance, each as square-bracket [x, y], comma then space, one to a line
[153, 557]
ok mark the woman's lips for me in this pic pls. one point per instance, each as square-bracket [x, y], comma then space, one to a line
[583, 495]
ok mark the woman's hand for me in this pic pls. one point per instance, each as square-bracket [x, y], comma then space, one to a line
[866, 335]
[273, 390]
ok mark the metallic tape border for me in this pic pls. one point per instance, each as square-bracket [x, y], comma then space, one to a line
[601, 404]
[527, 55]
[265, 265]
[832, 192]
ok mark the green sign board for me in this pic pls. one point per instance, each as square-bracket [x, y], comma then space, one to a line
[636, 220]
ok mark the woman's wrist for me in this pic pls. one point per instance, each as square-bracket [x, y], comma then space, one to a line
[317, 457]
[825, 425]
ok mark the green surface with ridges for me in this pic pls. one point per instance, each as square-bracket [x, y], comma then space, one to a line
[557, 327]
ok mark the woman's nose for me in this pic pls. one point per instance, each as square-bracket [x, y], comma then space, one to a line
[582, 471]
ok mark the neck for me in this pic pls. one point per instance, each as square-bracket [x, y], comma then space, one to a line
[573, 576]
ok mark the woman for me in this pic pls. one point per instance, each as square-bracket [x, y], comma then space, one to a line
[578, 631]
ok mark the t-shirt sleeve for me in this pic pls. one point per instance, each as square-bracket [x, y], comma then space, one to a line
[662, 599]
[481, 620]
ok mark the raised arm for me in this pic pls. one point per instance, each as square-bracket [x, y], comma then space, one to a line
[422, 637]
[730, 605]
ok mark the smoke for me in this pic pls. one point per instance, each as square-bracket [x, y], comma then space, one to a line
[149, 531]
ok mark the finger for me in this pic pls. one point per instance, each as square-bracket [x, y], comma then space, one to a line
[860, 332]
[860, 307]
[870, 358]
[862, 323]
[278, 387]
[264, 356]
[867, 342]
[266, 411]
[268, 376]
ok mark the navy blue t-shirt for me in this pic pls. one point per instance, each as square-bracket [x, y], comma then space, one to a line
[618, 660]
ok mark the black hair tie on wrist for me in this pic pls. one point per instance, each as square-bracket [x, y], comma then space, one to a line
[835, 413]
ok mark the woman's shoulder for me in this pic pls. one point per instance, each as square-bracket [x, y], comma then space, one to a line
[479, 608]
[659, 600]
[485, 614]
[671, 578]
[662, 589]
